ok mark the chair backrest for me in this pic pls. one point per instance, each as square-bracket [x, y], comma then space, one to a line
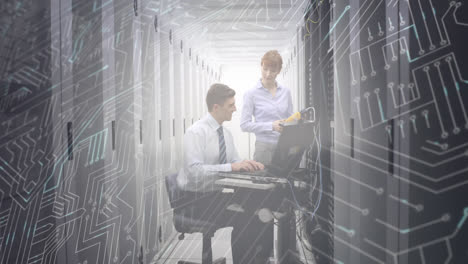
[173, 190]
[183, 220]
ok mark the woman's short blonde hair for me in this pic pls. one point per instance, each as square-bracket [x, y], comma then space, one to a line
[273, 59]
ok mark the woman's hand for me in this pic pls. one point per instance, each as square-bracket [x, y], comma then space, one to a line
[277, 125]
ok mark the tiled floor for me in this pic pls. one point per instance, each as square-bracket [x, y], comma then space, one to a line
[190, 248]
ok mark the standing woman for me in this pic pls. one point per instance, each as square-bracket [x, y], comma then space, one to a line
[269, 103]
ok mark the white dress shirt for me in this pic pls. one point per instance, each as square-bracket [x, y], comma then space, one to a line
[201, 156]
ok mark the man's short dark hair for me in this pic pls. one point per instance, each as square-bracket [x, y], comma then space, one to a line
[218, 94]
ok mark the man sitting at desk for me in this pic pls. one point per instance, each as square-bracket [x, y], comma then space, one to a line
[209, 149]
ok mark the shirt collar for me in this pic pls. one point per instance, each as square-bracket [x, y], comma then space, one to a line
[260, 85]
[212, 121]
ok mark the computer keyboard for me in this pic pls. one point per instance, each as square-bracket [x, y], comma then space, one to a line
[255, 173]
[255, 176]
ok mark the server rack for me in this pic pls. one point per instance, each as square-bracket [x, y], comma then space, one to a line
[393, 102]
[93, 106]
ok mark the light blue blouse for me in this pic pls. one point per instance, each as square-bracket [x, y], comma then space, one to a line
[265, 108]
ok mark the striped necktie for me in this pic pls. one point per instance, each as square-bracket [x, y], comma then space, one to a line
[222, 146]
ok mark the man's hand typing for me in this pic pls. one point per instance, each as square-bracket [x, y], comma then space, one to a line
[247, 165]
[255, 165]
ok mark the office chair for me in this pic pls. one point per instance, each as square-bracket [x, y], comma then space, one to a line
[185, 223]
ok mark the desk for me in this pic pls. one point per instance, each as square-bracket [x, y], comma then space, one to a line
[286, 232]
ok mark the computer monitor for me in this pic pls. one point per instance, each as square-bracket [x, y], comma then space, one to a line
[292, 143]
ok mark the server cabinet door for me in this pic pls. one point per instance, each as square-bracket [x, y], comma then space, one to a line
[400, 131]
[179, 100]
[149, 128]
[167, 117]
[30, 125]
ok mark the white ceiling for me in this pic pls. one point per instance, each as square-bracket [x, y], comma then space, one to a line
[238, 31]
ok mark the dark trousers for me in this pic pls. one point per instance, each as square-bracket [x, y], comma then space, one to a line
[251, 239]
